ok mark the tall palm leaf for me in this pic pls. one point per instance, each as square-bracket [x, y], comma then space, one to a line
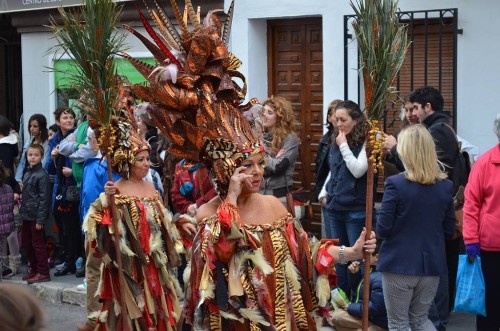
[382, 44]
[91, 40]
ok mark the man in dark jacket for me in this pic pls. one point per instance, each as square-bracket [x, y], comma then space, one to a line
[428, 104]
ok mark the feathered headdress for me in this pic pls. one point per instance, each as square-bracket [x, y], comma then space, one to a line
[193, 98]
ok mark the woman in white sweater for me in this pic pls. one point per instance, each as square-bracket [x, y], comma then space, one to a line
[345, 196]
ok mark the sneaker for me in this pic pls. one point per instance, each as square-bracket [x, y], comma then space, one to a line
[79, 263]
[38, 278]
[59, 267]
[7, 272]
[82, 287]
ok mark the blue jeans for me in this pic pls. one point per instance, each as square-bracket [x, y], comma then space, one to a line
[324, 217]
[345, 226]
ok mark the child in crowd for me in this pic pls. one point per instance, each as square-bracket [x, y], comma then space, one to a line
[34, 213]
[349, 319]
[52, 130]
[6, 219]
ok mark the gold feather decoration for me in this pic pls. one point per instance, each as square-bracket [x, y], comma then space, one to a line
[227, 25]
[259, 261]
[159, 25]
[169, 26]
[322, 290]
[230, 316]
[192, 16]
[185, 32]
[163, 30]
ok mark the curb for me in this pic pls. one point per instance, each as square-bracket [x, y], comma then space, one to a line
[55, 292]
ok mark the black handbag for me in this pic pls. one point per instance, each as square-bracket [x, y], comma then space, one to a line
[72, 193]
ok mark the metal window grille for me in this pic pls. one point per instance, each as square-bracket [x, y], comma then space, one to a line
[431, 59]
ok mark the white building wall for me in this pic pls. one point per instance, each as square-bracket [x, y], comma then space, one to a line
[478, 72]
[37, 89]
[38, 80]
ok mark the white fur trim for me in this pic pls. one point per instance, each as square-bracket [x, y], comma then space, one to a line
[103, 316]
[292, 275]
[253, 315]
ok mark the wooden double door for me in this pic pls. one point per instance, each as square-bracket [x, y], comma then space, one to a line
[295, 67]
[296, 72]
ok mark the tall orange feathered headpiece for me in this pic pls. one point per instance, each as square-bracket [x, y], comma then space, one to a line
[193, 98]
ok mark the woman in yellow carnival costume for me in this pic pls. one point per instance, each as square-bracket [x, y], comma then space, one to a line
[149, 247]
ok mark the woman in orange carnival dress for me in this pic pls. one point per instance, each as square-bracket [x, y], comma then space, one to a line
[252, 265]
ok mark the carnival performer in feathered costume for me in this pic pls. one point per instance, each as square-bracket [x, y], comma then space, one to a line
[149, 244]
[128, 227]
[252, 265]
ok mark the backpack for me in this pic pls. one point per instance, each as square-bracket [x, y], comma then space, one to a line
[460, 176]
[461, 167]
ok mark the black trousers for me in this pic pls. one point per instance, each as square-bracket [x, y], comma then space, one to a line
[72, 231]
[490, 265]
[452, 250]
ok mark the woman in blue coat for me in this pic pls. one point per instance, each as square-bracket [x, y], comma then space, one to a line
[64, 206]
[416, 217]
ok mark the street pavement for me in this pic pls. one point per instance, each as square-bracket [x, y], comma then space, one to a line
[62, 317]
[64, 305]
[58, 290]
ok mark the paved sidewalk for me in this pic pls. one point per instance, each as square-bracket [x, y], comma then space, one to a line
[63, 290]
[58, 290]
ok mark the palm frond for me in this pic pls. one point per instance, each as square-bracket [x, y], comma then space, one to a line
[91, 40]
[382, 43]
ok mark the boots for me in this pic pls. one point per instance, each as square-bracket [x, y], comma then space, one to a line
[4, 268]
[15, 264]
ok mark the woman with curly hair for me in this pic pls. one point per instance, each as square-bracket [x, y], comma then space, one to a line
[281, 146]
[346, 189]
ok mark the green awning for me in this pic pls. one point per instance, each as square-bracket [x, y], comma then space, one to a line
[64, 69]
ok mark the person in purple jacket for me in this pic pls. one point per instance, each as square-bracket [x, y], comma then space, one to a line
[7, 225]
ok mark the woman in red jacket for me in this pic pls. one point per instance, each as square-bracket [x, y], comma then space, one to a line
[481, 229]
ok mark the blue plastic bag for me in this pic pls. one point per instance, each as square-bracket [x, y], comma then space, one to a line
[470, 296]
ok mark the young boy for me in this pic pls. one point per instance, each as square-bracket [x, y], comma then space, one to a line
[34, 213]
[349, 319]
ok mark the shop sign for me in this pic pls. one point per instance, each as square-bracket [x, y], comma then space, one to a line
[9, 6]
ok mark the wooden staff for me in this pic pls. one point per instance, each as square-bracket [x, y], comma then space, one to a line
[368, 226]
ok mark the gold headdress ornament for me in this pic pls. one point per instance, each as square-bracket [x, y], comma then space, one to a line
[192, 96]
[122, 141]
